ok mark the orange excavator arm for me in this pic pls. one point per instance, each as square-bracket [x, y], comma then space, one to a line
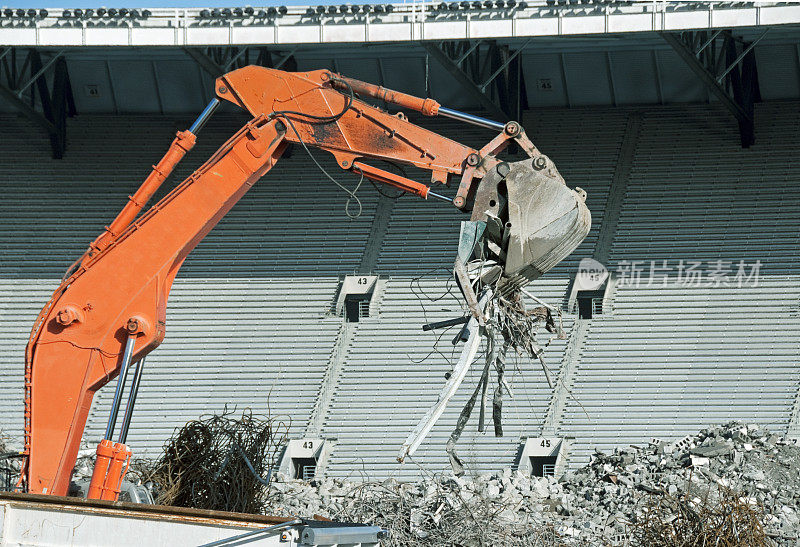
[110, 309]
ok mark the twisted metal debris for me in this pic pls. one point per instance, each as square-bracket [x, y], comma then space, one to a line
[508, 325]
[219, 462]
[10, 465]
[447, 516]
[497, 314]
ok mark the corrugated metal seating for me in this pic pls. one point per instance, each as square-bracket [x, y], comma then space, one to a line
[394, 373]
[672, 360]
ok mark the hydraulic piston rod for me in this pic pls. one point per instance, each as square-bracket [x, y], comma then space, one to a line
[428, 107]
[112, 459]
[184, 141]
[126, 419]
[204, 116]
[123, 374]
[469, 118]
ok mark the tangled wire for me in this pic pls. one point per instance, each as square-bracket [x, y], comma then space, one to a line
[519, 327]
[10, 465]
[497, 315]
[218, 462]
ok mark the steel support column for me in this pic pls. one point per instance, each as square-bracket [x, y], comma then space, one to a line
[26, 109]
[465, 81]
[216, 61]
[731, 76]
[205, 62]
[55, 106]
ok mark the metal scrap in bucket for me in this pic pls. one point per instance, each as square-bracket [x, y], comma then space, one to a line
[525, 221]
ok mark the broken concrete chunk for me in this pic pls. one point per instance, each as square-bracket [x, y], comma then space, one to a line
[712, 450]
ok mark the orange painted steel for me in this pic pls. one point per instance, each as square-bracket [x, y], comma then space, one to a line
[362, 132]
[183, 143]
[116, 472]
[77, 341]
[379, 175]
[103, 457]
[130, 278]
[429, 107]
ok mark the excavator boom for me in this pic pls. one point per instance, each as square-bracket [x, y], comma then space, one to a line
[110, 309]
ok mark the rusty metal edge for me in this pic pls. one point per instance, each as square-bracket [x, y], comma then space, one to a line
[133, 510]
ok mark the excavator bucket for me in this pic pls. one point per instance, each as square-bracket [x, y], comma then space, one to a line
[533, 219]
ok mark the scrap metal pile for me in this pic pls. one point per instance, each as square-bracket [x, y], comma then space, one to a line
[433, 511]
[525, 221]
[507, 326]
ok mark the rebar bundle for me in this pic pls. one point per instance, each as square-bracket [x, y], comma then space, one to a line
[220, 462]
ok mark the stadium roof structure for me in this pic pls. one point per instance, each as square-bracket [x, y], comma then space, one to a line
[370, 23]
[498, 56]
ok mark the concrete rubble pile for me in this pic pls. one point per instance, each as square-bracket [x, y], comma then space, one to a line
[593, 505]
[488, 510]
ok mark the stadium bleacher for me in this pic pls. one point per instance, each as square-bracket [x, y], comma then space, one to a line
[265, 280]
[675, 355]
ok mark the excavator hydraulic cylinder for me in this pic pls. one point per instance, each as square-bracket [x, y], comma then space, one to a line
[112, 458]
[110, 468]
[428, 107]
[184, 141]
[204, 116]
